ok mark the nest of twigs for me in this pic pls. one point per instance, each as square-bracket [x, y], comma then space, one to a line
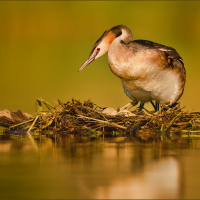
[87, 119]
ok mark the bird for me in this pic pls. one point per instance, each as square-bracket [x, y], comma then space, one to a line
[148, 71]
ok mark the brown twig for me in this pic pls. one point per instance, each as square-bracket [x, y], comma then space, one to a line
[101, 121]
[177, 131]
[176, 118]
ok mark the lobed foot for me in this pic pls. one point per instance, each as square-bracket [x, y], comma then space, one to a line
[125, 109]
[128, 106]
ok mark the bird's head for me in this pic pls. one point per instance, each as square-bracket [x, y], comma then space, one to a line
[102, 44]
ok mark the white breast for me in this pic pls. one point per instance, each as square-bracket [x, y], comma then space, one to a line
[162, 87]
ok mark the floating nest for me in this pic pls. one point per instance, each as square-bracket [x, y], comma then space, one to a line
[88, 119]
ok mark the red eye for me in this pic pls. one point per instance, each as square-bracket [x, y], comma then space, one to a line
[98, 49]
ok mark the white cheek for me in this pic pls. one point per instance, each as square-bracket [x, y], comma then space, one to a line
[103, 49]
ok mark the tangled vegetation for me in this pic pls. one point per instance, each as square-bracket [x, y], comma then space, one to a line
[87, 119]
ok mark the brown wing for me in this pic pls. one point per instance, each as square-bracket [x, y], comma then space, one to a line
[169, 55]
[173, 58]
[175, 61]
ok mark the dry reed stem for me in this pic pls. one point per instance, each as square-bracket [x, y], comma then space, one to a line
[101, 121]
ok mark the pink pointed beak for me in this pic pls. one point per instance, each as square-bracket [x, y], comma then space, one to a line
[89, 60]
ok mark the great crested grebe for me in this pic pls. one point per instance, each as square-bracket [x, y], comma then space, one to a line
[148, 71]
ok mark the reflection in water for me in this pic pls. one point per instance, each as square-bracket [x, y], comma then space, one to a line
[67, 167]
[156, 180]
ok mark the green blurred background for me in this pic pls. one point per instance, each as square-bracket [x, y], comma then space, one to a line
[43, 44]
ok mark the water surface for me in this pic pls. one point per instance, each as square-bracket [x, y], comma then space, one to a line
[72, 167]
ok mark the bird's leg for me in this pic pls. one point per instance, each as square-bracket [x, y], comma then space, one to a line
[129, 105]
[156, 107]
[140, 107]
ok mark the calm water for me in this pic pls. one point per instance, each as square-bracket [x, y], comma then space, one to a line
[67, 167]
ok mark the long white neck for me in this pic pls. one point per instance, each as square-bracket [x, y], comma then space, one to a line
[118, 54]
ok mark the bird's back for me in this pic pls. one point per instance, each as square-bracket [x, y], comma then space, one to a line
[148, 70]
